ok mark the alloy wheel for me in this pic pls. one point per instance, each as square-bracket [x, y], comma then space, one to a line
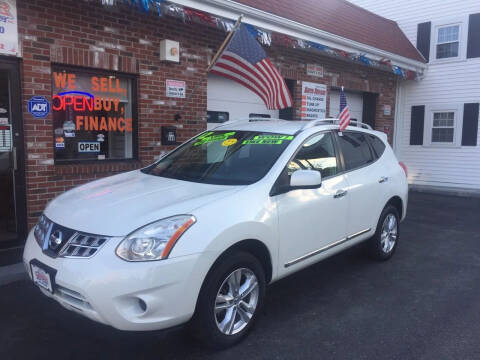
[389, 233]
[236, 301]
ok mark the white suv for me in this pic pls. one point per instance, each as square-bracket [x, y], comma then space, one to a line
[198, 235]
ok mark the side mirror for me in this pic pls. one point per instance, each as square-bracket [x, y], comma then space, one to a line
[305, 179]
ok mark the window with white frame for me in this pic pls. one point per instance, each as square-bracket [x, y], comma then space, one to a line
[448, 41]
[443, 127]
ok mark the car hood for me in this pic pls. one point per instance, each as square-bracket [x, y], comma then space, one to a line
[120, 204]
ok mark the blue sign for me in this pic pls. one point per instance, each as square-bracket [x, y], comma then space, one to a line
[39, 107]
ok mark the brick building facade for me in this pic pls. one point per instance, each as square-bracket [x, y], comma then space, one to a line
[84, 35]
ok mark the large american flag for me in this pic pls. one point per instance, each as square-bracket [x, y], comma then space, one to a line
[344, 116]
[245, 62]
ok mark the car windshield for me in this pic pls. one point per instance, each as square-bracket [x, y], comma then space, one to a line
[223, 157]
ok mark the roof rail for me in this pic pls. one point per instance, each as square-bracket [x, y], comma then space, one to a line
[313, 123]
[255, 119]
[239, 121]
[229, 122]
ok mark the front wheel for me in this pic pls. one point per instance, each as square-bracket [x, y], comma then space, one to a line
[383, 244]
[230, 300]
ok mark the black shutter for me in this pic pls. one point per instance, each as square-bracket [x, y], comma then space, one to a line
[423, 39]
[416, 125]
[470, 124]
[473, 47]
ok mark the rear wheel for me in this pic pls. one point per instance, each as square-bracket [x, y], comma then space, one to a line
[383, 244]
[230, 300]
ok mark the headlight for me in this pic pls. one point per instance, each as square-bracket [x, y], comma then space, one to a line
[154, 241]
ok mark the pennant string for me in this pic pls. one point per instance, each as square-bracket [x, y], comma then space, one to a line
[162, 7]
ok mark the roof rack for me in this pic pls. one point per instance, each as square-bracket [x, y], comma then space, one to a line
[230, 122]
[333, 122]
[255, 119]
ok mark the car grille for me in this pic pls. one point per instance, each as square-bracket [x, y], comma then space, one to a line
[59, 241]
[83, 245]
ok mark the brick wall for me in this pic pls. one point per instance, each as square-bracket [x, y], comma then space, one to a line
[292, 63]
[123, 39]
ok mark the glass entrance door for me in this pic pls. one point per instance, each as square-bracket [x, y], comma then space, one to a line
[12, 175]
[8, 222]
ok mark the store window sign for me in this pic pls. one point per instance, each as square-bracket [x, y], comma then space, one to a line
[93, 114]
[88, 147]
[8, 27]
[108, 100]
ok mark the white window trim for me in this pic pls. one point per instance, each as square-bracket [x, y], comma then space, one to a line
[462, 23]
[457, 109]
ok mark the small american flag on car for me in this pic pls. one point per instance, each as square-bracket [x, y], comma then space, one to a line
[344, 116]
[245, 62]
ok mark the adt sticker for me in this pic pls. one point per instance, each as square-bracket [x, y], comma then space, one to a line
[39, 107]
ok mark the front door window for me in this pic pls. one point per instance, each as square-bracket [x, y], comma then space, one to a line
[8, 225]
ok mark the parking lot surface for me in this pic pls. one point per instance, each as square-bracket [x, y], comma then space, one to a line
[422, 304]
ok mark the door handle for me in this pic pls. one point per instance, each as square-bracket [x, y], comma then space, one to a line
[340, 193]
[14, 155]
[383, 179]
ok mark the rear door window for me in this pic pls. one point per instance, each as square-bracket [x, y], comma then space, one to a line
[377, 144]
[356, 150]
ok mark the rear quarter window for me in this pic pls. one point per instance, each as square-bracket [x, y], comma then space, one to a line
[356, 150]
[377, 144]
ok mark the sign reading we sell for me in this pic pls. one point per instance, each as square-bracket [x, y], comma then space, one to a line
[314, 104]
[87, 112]
[8, 27]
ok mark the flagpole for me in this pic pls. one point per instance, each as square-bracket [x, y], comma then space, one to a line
[339, 126]
[178, 116]
[225, 43]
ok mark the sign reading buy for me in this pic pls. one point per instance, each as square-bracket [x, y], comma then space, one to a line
[85, 105]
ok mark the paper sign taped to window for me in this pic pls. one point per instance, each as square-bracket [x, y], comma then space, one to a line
[5, 138]
[88, 147]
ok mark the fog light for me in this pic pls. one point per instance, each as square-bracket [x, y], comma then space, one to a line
[142, 304]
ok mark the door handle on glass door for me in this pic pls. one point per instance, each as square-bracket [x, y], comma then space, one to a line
[14, 156]
[340, 193]
[383, 179]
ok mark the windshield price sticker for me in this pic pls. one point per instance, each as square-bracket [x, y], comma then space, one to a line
[208, 138]
[268, 140]
[229, 142]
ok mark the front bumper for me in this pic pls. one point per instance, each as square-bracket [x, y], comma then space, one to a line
[126, 295]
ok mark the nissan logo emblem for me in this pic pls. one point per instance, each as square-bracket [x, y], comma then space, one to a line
[56, 239]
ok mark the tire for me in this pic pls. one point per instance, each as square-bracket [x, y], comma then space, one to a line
[383, 244]
[218, 302]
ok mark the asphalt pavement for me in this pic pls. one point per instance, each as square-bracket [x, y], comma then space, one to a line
[422, 304]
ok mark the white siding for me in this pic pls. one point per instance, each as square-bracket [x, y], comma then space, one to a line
[454, 82]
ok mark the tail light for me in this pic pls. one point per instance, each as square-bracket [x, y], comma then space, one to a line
[404, 167]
